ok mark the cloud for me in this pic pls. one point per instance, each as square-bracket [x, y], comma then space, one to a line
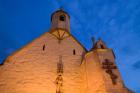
[136, 65]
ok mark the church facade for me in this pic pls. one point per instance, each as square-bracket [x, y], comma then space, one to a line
[57, 63]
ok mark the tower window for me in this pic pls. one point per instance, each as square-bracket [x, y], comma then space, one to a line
[106, 60]
[102, 47]
[43, 47]
[62, 18]
[74, 52]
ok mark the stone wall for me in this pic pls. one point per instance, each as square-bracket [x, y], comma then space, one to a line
[33, 69]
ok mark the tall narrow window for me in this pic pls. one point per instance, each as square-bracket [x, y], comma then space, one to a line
[74, 52]
[43, 47]
[62, 18]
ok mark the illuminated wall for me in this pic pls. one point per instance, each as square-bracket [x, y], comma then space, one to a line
[57, 63]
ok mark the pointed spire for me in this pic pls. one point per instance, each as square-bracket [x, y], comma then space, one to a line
[100, 44]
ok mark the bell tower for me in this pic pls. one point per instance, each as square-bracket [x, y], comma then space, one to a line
[56, 62]
[60, 24]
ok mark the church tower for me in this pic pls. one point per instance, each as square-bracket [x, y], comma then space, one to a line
[60, 19]
[60, 24]
[101, 72]
[56, 62]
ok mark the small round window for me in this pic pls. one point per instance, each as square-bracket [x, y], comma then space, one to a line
[62, 18]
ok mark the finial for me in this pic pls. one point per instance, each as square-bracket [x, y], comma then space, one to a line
[61, 8]
[93, 40]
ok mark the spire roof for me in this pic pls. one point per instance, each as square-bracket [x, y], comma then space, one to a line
[100, 44]
[60, 10]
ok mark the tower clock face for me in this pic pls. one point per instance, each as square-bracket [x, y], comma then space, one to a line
[60, 34]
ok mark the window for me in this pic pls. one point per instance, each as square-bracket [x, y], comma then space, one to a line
[102, 47]
[43, 47]
[62, 18]
[74, 52]
[106, 60]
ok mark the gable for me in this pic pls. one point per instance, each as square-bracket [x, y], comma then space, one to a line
[47, 43]
[62, 34]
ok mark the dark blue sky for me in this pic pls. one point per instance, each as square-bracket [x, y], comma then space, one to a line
[116, 21]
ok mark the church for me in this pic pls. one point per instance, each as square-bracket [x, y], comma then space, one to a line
[56, 62]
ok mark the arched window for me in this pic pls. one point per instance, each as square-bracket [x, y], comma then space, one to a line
[62, 18]
[74, 52]
[102, 47]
